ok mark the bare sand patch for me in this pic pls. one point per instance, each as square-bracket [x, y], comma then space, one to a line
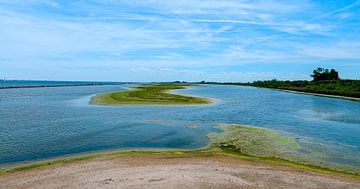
[157, 171]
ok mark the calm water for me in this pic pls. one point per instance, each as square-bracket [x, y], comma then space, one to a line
[40, 123]
[24, 83]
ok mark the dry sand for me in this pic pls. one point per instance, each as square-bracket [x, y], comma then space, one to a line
[155, 171]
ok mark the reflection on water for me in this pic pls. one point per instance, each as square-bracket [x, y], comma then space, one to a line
[49, 122]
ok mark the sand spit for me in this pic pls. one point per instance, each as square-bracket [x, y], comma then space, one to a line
[156, 171]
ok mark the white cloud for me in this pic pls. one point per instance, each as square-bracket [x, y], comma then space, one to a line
[131, 35]
[339, 50]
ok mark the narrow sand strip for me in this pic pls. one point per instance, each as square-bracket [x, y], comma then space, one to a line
[156, 171]
[319, 94]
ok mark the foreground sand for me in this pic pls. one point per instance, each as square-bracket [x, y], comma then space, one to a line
[156, 171]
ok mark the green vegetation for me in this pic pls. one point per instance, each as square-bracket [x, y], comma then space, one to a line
[324, 82]
[347, 88]
[156, 94]
[321, 74]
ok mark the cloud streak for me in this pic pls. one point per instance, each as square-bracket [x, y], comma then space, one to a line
[52, 35]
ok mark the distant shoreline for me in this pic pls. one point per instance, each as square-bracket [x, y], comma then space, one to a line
[294, 91]
[70, 85]
[317, 94]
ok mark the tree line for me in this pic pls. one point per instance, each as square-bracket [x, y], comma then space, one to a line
[325, 81]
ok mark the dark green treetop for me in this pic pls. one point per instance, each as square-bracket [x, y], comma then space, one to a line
[321, 74]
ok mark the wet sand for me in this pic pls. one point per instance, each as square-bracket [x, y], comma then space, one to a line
[158, 171]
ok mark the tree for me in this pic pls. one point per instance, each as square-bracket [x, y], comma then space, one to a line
[334, 75]
[321, 74]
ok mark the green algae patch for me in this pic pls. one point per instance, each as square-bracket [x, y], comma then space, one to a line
[254, 141]
[260, 143]
[154, 94]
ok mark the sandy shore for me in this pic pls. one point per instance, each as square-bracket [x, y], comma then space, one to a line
[318, 94]
[158, 171]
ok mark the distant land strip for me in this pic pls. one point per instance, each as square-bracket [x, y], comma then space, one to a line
[62, 85]
[343, 89]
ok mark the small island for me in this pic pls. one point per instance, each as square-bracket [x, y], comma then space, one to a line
[151, 94]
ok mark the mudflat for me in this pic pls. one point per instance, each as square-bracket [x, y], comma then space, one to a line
[158, 171]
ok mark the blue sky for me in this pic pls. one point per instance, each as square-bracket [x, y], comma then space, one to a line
[157, 40]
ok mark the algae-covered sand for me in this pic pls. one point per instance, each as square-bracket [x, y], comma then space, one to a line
[254, 141]
[151, 94]
[269, 144]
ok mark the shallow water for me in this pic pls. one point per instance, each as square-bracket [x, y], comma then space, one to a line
[40, 123]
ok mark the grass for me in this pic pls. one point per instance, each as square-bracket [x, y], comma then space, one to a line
[244, 142]
[156, 94]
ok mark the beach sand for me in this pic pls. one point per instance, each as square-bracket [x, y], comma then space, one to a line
[158, 171]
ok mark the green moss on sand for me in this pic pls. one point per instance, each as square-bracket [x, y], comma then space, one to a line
[156, 94]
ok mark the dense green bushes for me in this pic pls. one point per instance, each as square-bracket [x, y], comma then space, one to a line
[324, 82]
[349, 88]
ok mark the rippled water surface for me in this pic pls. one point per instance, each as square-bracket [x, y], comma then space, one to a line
[40, 123]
